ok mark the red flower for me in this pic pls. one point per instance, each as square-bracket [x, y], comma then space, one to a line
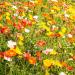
[27, 56]
[69, 68]
[41, 43]
[5, 29]
[1, 54]
[24, 22]
[18, 26]
[29, 23]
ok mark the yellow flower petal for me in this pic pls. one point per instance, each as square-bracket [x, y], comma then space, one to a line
[17, 50]
[53, 52]
[57, 63]
[47, 63]
[7, 17]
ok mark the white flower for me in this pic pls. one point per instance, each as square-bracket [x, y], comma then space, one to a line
[11, 44]
[66, 15]
[7, 58]
[70, 59]
[20, 17]
[27, 30]
[70, 35]
[26, 8]
[54, 0]
[35, 17]
[16, 14]
[63, 36]
[47, 51]
[62, 73]
[14, 7]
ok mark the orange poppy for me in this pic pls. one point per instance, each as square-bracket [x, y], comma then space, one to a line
[9, 21]
[45, 14]
[73, 57]
[40, 1]
[10, 53]
[71, 40]
[64, 64]
[41, 43]
[32, 60]
[38, 53]
[29, 4]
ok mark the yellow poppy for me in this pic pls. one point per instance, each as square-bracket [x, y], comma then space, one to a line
[20, 43]
[57, 63]
[47, 63]
[21, 38]
[17, 50]
[7, 18]
[63, 29]
[53, 52]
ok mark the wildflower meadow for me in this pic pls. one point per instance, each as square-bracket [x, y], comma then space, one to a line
[37, 37]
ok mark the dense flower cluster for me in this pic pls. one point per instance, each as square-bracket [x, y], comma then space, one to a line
[37, 37]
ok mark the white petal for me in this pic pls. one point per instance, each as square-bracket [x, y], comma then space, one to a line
[70, 35]
[62, 73]
[54, 0]
[14, 7]
[11, 44]
[7, 58]
[35, 17]
[27, 30]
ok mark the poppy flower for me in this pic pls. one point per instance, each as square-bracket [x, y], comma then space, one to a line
[27, 55]
[32, 60]
[57, 35]
[64, 64]
[29, 23]
[40, 1]
[27, 30]
[73, 57]
[24, 22]
[5, 29]
[10, 53]
[1, 54]
[62, 73]
[71, 40]
[70, 68]
[47, 63]
[47, 51]
[41, 43]
[57, 63]
[29, 4]
[38, 53]
[18, 26]
[7, 58]
[11, 44]
[45, 14]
